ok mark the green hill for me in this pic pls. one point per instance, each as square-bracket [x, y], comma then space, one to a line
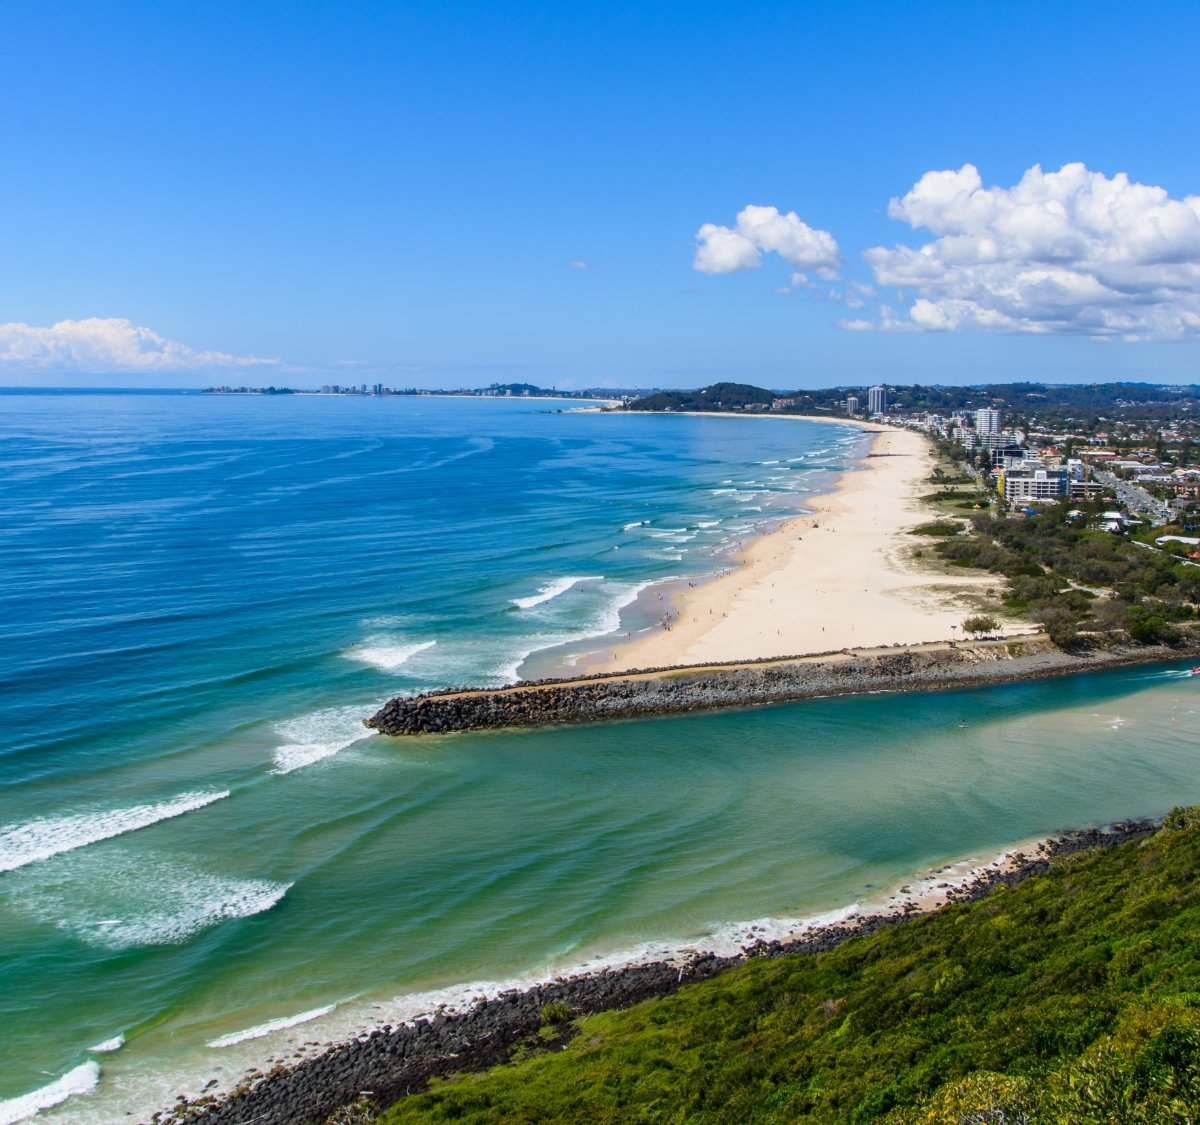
[718, 397]
[1071, 997]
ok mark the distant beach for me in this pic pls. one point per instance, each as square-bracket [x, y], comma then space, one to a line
[843, 576]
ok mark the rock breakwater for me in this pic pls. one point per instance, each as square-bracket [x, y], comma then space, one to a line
[666, 691]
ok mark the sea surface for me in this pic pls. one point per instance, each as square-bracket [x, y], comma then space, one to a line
[206, 861]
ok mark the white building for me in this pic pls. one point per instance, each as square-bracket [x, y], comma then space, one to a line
[1034, 482]
[877, 400]
[851, 405]
[987, 420]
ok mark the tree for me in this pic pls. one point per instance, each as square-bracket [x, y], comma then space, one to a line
[980, 625]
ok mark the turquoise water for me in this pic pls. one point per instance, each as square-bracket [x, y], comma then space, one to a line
[202, 598]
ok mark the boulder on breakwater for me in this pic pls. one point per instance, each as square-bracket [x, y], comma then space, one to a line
[666, 691]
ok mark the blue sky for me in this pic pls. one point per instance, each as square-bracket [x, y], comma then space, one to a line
[447, 194]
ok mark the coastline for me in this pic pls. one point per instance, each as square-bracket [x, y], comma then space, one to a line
[841, 576]
[389, 1060]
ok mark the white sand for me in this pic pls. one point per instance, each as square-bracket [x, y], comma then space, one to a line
[842, 578]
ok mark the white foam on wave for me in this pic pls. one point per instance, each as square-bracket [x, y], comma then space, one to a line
[264, 1029]
[121, 901]
[636, 523]
[113, 1044]
[199, 901]
[673, 534]
[314, 737]
[554, 588]
[49, 836]
[385, 653]
[600, 620]
[82, 1080]
[729, 938]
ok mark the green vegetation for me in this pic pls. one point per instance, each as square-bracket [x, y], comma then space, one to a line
[980, 625]
[1078, 581]
[1072, 997]
[718, 397]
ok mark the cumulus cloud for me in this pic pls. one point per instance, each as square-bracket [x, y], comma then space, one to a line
[1071, 251]
[97, 345]
[763, 230]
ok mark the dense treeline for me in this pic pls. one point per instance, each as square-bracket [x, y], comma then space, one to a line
[1071, 997]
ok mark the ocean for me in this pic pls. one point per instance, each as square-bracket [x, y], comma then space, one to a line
[207, 861]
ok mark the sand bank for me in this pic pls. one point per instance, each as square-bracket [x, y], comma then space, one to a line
[843, 577]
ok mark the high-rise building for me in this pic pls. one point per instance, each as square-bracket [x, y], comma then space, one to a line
[851, 405]
[987, 420]
[877, 400]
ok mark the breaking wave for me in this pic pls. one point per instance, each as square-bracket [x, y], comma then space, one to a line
[48, 836]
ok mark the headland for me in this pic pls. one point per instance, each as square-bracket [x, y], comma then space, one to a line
[384, 1064]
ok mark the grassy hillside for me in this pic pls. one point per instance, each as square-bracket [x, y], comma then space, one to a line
[1072, 997]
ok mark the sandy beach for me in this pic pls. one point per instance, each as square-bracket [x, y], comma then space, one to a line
[842, 577]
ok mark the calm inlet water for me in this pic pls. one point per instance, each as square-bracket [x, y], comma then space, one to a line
[203, 857]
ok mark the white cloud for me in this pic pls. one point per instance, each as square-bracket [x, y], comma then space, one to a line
[100, 346]
[577, 264]
[1071, 251]
[763, 230]
[855, 295]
